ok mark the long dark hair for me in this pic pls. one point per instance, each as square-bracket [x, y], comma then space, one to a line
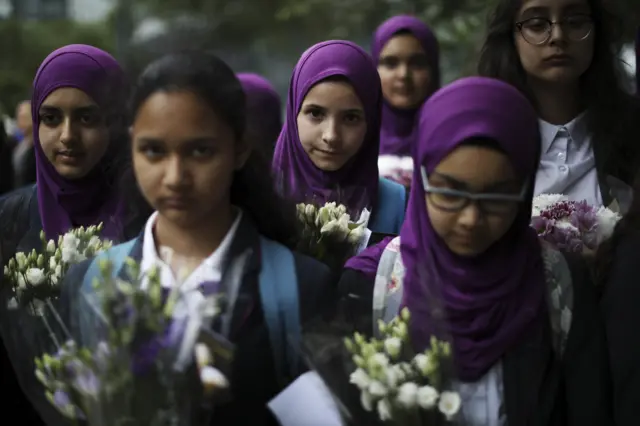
[612, 111]
[211, 79]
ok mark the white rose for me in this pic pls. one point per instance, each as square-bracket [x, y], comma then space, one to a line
[544, 201]
[423, 363]
[69, 247]
[366, 400]
[355, 235]
[427, 397]
[20, 281]
[21, 260]
[360, 379]
[607, 220]
[52, 263]
[407, 395]
[384, 410]
[377, 390]
[378, 360]
[449, 404]
[393, 346]
[35, 276]
[51, 247]
[392, 376]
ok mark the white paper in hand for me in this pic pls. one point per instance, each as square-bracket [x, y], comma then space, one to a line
[306, 402]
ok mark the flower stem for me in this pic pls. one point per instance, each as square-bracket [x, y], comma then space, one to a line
[55, 314]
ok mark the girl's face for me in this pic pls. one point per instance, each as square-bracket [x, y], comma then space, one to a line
[331, 124]
[184, 157]
[404, 72]
[73, 132]
[555, 39]
[471, 229]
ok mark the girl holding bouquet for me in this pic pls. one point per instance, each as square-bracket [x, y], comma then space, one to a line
[217, 222]
[78, 107]
[527, 342]
[328, 147]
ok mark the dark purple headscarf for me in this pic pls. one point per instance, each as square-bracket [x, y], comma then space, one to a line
[495, 299]
[63, 203]
[264, 109]
[398, 126]
[356, 184]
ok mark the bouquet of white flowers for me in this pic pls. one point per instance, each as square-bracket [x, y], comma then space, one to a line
[328, 233]
[132, 362]
[35, 277]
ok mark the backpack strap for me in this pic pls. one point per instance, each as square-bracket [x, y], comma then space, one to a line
[559, 295]
[280, 303]
[390, 208]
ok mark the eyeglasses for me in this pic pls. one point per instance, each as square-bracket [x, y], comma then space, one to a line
[538, 31]
[452, 200]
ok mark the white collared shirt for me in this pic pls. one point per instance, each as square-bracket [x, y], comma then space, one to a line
[210, 269]
[568, 165]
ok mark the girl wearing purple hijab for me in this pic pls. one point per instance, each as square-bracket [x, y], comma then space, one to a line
[264, 120]
[522, 319]
[408, 58]
[328, 147]
[78, 107]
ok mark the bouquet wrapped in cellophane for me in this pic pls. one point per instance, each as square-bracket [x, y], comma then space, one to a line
[328, 233]
[131, 361]
[382, 381]
[572, 226]
[35, 277]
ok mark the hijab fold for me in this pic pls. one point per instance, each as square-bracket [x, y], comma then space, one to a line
[264, 108]
[398, 131]
[64, 203]
[356, 184]
[492, 301]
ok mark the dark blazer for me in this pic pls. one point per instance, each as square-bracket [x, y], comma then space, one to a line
[20, 227]
[254, 381]
[539, 388]
[622, 315]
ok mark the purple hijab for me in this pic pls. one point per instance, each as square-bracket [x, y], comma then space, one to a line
[356, 183]
[63, 203]
[264, 108]
[495, 299]
[398, 131]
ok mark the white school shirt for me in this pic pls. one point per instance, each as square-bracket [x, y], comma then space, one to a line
[567, 164]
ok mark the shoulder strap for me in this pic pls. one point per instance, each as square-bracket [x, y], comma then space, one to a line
[559, 295]
[279, 293]
[116, 254]
[384, 281]
[389, 213]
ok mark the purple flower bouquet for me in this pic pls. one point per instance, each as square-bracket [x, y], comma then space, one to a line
[572, 226]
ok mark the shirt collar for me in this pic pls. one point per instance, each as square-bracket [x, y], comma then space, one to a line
[215, 260]
[577, 129]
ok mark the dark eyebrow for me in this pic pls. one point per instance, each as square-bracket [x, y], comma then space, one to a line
[188, 143]
[534, 11]
[79, 110]
[461, 185]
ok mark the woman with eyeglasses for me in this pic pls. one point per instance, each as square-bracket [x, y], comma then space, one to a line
[528, 346]
[563, 55]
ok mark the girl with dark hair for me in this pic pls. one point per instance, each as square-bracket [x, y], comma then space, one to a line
[215, 206]
[408, 58]
[78, 107]
[328, 147]
[264, 109]
[563, 55]
[528, 346]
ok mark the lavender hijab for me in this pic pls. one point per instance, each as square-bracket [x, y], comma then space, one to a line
[398, 126]
[356, 183]
[63, 203]
[493, 300]
[264, 108]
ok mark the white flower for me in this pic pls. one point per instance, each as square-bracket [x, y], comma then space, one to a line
[544, 201]
[378, 360]
[12, 304]
[69, 247]
[203, 355]
[52, 263]
[213, 378]
[51, 247]
[427, 397]
[21, 259]
[392, 347]
[377, 390]
[407, 395]
[325, 214]
[384, 410]
[449, 404]
[400, 371]
[94, 242]
[58, 270]
[607, 220]
[35, 276]
[366, 400]
[355, 235]
[360, 379]
[21, 283]
[564, 224]
[392, 376]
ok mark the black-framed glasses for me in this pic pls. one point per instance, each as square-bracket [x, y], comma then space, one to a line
[452, 200]
[538, 31]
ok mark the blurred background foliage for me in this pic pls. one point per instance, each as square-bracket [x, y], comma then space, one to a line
[265, 36]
